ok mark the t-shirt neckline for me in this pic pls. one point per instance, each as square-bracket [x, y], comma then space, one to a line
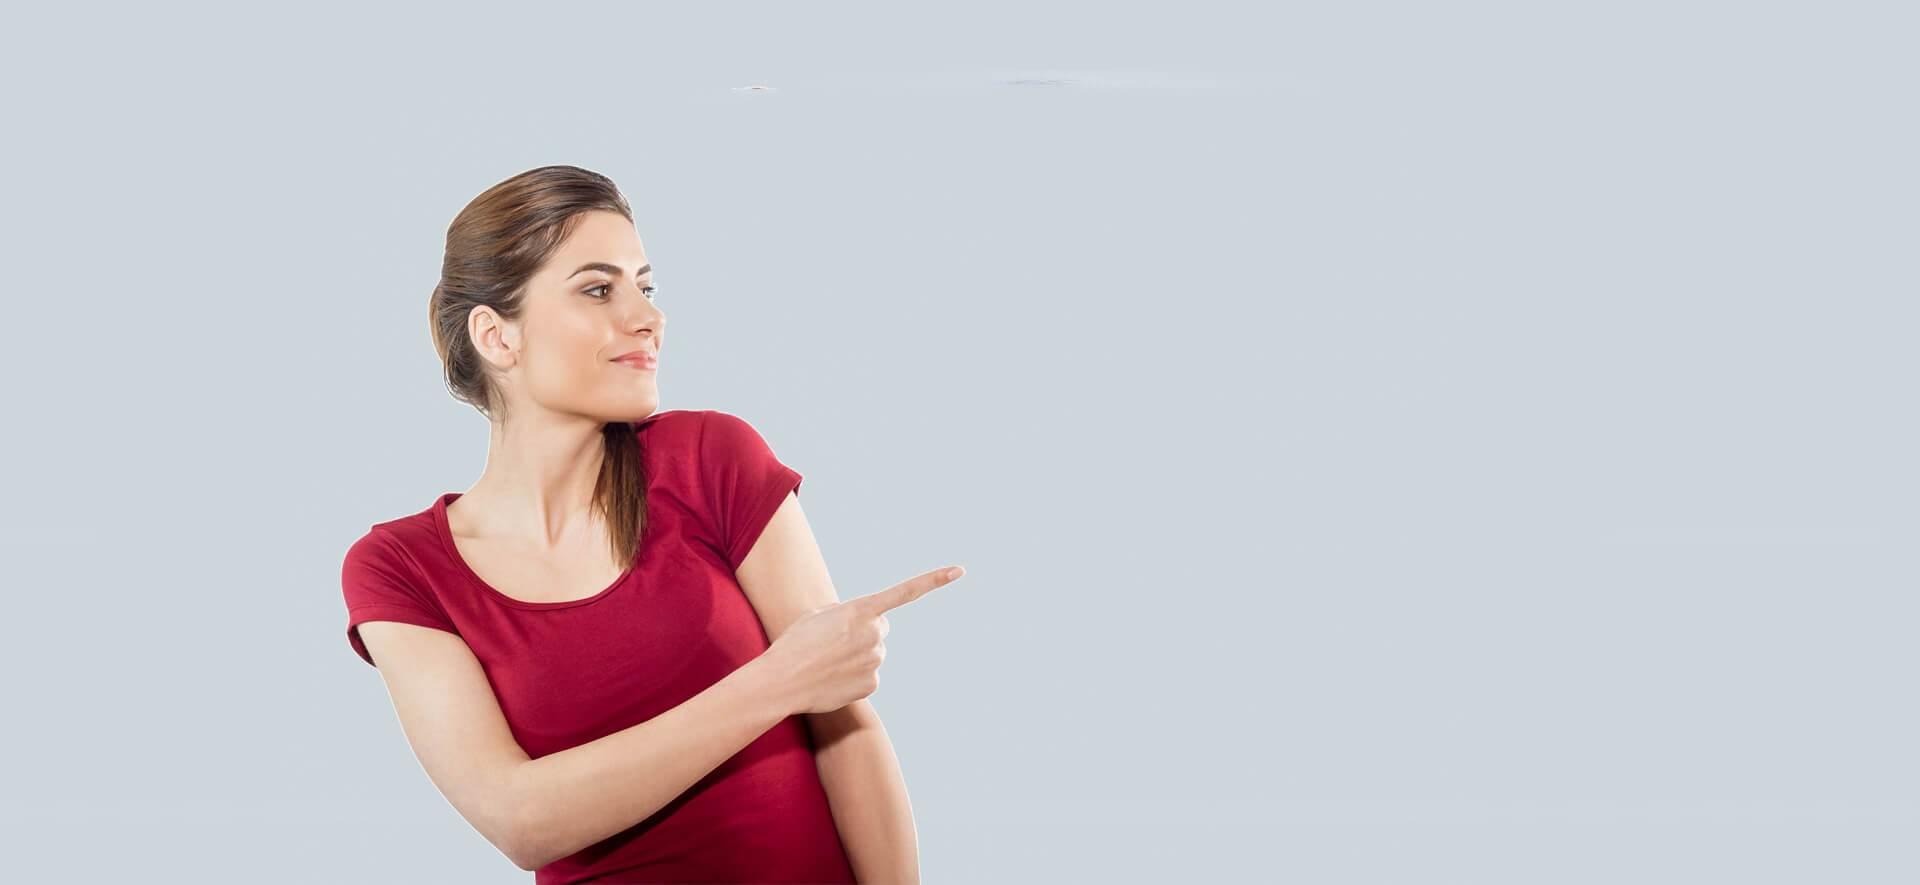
[445, 530]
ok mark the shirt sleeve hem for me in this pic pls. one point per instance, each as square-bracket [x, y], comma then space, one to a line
[361, 614]
[761, 514]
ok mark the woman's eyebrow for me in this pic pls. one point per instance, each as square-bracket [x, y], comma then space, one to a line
[608, 268]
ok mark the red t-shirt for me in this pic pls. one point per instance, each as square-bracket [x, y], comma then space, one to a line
[567, 673]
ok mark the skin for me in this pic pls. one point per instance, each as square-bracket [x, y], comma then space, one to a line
[528, 522]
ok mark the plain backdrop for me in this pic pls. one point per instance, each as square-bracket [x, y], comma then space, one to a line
[1398, 443]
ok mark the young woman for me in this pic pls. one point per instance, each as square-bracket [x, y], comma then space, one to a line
[619, 655]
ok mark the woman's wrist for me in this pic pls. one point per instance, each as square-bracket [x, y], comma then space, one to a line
[766, 679]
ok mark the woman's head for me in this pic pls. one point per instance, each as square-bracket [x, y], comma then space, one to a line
[538, 294]
[544, 282]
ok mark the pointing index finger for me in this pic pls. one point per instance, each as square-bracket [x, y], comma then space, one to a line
[906, 591]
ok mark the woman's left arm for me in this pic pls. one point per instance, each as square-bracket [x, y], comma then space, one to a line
[867, 794]
[784, 576]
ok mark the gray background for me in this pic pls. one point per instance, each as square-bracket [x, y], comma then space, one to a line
[1388, 443]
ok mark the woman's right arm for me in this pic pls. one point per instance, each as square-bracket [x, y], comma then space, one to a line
[537, 811]
[581, 795]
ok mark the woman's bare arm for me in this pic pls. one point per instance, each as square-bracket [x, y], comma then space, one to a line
[581, 795]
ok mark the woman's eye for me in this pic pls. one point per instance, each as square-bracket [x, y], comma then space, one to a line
[603, 286]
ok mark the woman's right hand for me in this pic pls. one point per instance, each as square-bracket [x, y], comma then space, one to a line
[831, 656]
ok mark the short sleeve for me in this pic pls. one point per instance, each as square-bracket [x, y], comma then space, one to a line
[744, 483]
[378, 587]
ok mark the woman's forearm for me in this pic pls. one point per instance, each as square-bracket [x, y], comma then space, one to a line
[867, 794]
[579, 796]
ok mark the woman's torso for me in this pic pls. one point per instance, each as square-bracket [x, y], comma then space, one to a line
[572, 670]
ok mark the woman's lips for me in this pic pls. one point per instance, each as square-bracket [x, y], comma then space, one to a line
[640, 362]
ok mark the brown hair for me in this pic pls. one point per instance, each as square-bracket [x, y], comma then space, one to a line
[493, 247]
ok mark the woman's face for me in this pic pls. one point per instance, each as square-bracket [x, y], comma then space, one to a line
[586, 306]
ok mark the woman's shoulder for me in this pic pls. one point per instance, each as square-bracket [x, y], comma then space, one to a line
[690, 424]
[395, 540]
[670, 422]
[671, 437]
